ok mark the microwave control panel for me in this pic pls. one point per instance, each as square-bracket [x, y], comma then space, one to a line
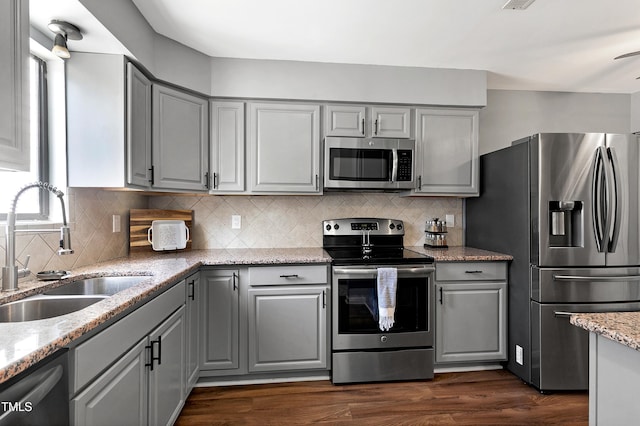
[404, 165]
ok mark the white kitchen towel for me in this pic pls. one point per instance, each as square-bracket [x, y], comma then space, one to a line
[387, 284]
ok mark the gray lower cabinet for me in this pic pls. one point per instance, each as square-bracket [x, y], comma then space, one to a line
[220, 319]
[471, 308]
[192, 330]
[288, 318]
[133, 372]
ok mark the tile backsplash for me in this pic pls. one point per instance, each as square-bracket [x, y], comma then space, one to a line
[295, 221]
[267, 221]
[90, 219]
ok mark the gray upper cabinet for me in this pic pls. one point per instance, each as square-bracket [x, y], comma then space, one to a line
[361, 121]
[390, 122]
[14, 85]
[180, 140]
[227, 146]
[471, 310]
[447, 145]
[345, 120]
[284, 147]
[96, 120]
[138, 128]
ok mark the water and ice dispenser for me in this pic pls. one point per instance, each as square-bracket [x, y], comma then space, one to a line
[565, 223]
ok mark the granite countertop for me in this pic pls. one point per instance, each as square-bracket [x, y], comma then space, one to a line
[461, 254]
[23, 344]
[621, 327]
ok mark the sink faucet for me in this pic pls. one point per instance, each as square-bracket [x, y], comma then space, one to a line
[10, 271]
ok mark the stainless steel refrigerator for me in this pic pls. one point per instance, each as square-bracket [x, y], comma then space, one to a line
[566, 207]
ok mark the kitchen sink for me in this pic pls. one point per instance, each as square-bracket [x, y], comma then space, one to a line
[42, 307]
[98, 286]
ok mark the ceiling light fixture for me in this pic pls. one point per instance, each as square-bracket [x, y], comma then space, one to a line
[64, 31]
[517, 4]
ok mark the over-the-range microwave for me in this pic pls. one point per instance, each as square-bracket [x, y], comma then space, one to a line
[369, 163]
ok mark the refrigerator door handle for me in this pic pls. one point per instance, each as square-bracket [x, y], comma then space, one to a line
[609, 183]
[596, 200]
[617, 199]
[592, 278]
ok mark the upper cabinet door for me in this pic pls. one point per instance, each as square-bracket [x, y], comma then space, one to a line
[180, 140]
[390, 122]
[285, 148]
[227, 146]
[14, 85]
[447, 144]
[138, 127]
[345, 120]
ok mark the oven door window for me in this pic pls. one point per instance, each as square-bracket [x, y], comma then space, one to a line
[360, 164]
[358, 306]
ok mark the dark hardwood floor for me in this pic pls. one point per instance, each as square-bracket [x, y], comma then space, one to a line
[474, 398]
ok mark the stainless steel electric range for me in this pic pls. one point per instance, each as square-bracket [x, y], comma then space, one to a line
[361, 351]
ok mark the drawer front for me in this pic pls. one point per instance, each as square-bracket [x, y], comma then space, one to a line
[471, 271]
[288, 275]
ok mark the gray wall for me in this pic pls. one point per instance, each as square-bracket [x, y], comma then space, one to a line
[511, 115]
[248, 78]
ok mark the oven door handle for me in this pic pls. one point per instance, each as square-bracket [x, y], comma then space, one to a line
[374, 271]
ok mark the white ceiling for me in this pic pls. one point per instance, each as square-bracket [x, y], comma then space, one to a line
[564, 45]
[557, 45]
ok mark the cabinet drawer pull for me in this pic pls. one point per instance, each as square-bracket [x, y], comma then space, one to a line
[289, 276]
[472, 272]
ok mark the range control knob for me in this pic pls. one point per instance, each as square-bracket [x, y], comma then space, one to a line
[336, 226]
[392, 226]
[328, 227]
[399, 227]
[383, 339]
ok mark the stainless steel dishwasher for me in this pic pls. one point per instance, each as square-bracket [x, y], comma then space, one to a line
[38, 396]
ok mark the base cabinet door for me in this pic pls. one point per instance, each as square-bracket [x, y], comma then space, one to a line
[471, 322]
[167, 372]
[123, 386]
[219, 334]
[192, 331]
[287, 328]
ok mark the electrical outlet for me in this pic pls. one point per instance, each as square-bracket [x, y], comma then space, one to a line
[236, 221]
[450, 219]
[519, 355]
[115, 223]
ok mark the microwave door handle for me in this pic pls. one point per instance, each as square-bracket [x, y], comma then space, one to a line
[394, 165]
